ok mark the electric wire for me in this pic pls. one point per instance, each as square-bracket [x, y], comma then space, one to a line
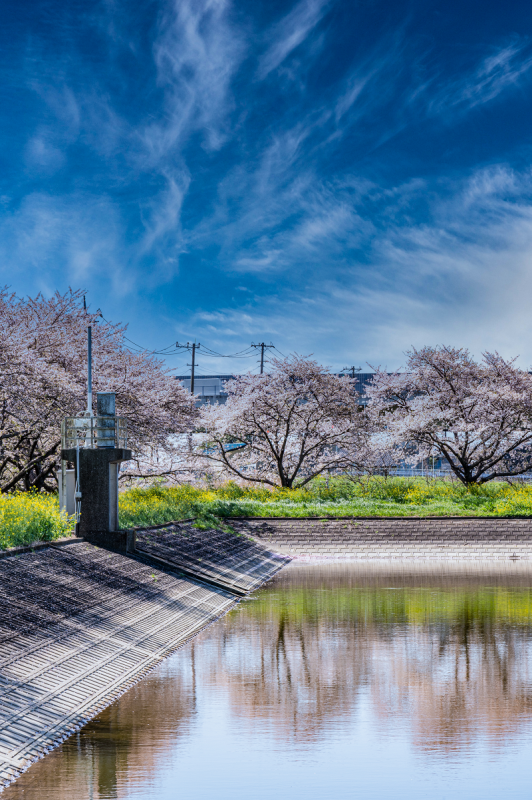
[181, 368]
[205, 351]
[246, 353]
[141, 349]
[169, 350]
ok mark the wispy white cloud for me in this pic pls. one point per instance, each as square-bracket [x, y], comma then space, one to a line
[197, 53]
[374, 80]
[337, 256]
[276, 213]
[274, 209]
[289, 33]
[61, 100]
[503, 69]
[463, 277]
[255, 198]
[283, 216]
[162, 220]
[77, 237]
[42, 155]
[396, 77]
[356, 84]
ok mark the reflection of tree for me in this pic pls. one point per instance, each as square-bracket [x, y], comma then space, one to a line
[126, 743]
[464, 680]
[284, 668]
[454, 663]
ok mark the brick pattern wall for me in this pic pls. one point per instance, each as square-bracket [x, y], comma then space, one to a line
[370, 539]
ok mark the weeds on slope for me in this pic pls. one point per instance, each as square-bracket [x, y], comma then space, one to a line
[323, 497]
[27, 517]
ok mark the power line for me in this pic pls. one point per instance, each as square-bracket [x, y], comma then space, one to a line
[142, 349]
[246, 353]
[192, 347]
[263, 347]
[352, 370]
[175, 349]
[180, 368]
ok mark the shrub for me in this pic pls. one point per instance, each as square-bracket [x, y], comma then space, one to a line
[27, 517]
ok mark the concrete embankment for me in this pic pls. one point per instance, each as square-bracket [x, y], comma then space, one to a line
[233, 562]
[79, 625]
[470, 539]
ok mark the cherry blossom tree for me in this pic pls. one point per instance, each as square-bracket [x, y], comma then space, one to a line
[43, 364]
[477, 416]
[285, 428]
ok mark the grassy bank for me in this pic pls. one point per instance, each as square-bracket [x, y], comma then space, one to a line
[394, 497]
[26, 517]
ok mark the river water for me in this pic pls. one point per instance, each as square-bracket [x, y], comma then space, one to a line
[331, 682]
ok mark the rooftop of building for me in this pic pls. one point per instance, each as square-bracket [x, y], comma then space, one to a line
[205, 377]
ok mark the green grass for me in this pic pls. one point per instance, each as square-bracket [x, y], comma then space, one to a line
[29, 517]
[338, 497]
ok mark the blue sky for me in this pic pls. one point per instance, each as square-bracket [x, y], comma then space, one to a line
[342, 178]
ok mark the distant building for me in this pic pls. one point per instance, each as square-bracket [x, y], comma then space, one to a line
[361, 381]
[210, 388]
[207, 388]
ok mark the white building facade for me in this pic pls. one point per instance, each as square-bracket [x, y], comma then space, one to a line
[207, 388]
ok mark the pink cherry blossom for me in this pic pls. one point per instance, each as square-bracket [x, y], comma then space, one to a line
[476, 416]
[292, 424]
[43, 362]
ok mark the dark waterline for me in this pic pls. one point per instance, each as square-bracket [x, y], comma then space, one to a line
[329, 683]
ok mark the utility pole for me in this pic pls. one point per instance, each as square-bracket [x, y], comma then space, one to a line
[89, 370]
[263, 347]
[193, 365]
[192, 347]
[352, 370]
[89, 362]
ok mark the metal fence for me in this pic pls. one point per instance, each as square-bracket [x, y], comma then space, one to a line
[93, 432]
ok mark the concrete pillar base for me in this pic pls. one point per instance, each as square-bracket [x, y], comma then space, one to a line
[98, 483]
[118, 541]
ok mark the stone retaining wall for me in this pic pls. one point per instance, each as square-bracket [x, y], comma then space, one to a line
[388, 538]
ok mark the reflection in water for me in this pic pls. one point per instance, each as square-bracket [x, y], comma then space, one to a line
[453, 661]
[125, 743]
[329, 680]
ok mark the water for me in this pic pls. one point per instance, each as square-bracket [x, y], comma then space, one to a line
[329, 683]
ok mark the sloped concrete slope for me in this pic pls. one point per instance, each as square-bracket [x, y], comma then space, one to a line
[230, 560]
[78, 627]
